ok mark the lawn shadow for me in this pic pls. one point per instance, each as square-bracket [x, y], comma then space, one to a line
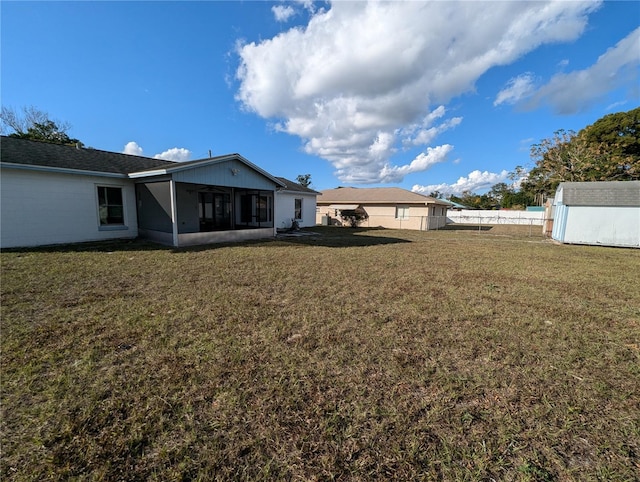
[115, 245]
[465, 227]
[341, 237]
[334, 237]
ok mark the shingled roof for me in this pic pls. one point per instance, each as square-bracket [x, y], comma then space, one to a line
[35, 153]
[601, 193]
[295, 187]
[376, 195]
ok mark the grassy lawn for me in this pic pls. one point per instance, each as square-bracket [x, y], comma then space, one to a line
[351, 355]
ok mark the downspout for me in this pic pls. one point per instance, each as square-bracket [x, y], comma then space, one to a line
[174, 212]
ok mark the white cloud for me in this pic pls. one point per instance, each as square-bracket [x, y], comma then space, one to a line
[178, 154]
[424, 133]
[570, 93]
[615, 106]
[516, 89]
[422, 162]
[132, 148]
[475, 181]
[362, 78]
[282, 13]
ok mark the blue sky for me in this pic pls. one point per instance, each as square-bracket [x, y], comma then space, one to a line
[426, 96]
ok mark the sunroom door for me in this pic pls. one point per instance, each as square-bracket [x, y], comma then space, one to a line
[215, 211]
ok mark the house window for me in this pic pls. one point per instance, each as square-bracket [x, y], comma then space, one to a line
[402, 212]
[110, 206]
[297, 210]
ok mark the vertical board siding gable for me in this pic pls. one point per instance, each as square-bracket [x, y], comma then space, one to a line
[222, 174]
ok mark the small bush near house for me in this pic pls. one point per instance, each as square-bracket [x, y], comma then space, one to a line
[352, 355]
[353, 217]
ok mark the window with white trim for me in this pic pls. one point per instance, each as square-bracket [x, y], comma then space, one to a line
[297, 209]
[402, 212]
[110, 206]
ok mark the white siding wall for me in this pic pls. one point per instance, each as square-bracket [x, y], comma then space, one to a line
[40, 208]
[608, 226]
[285, 208]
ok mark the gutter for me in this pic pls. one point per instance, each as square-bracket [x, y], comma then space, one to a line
[61, 170]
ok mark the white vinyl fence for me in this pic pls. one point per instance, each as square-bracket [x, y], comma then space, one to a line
[527, 218]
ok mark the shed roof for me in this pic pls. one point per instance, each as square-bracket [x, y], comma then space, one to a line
[600, 193]
[375, 195]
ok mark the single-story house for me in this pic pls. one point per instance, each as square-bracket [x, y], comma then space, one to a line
[295, 202]
[605, 213]
[54, 194]
[388, 207]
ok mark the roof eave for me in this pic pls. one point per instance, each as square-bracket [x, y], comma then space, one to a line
[205, 162]
[295, 191]
[61, 170]
[155, 172]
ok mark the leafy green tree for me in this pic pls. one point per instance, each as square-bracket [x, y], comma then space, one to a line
[36, 125]
[499, 192]
[608, 150]
[304, 179]
[517, 200]
[475, 201]
[507, 196]
[353, 217]
[619, 133]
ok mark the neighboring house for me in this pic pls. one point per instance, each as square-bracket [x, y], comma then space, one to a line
[457, 206]
[600, 213]
[388, 207]
[53, 194]
[295, 202]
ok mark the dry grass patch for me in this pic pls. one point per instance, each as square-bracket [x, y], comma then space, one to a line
[352, 355]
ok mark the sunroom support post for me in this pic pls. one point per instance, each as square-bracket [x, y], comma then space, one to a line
[174, 212]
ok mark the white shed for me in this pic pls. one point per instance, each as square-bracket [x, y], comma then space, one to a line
[605, 213]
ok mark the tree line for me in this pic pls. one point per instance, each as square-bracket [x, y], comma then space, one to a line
[36, 125]
[607, 150]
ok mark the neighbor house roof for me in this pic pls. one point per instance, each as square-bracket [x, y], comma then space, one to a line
[375, 195]
[457, 205]
[601, 193]
[295, 187]
[35, 154]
